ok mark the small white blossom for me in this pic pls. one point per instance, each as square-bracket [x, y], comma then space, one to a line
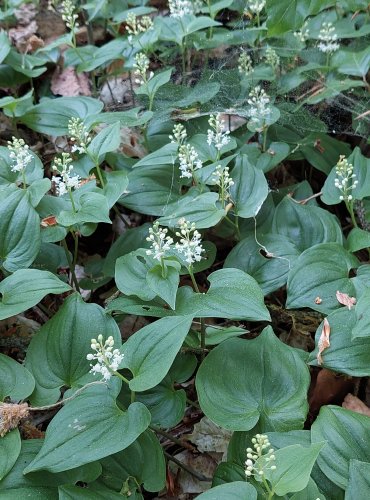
[107, 359]
[328, 39]
[272, 58]
[255, 6]
[141, 66]
[245, 65]
[79, 135]
[160, 242]
[20, 154]
[68, 14]
[64, 181]
[303, 34]
[345, 178]
[259, 109]
[180, 8]
[135, 26]
[215, 135]
[179, 134]
[258, 459]
[223, 180]
[189, 161]
[190, 243]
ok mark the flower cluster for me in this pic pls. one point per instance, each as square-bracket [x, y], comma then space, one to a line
[190, 243]
[259, 109]
[189, 160]
[215, 135]
[107, 358]
[64, 181]
[303, 34]
[256, 6]
[180, 8]
[179, 134]
[245, 65]
[141, 66]
[328, 39]
[20, 154]
[223, 180]
[160, 242]
[135, 26]
[259, 459]
[272, 58]
[68, 14]
[344, 180]
[79, 135]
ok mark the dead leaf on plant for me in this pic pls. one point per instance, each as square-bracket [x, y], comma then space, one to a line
[324, 341]
[345, 299]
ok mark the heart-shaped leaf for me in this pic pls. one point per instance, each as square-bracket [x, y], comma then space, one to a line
[16, 381]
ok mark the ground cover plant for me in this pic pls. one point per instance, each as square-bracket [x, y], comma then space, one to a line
[184, 249]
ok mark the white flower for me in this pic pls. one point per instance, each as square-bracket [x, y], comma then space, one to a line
[258, 461]
[345, 178]
[79, 135]
[136, 26]
[68, 14]
[180, 8]
[224, 182]
[107, 359]
[64, 181]
[272, 58]
[303, 34]
[245, 65]
[189, 161]
[215, 135]
[142, 65]
[190, 243]
[259, 109]
[256, 6]
[328, 39]
[160, 243]
[19, 153]
[178, 134]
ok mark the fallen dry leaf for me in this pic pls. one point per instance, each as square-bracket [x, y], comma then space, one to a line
[329, 388]
[209, 437]
[324, 342]
[68, 83]
[345, 299]
[22, 34]
[353, 403]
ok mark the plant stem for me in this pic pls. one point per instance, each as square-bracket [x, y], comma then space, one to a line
[126, 381]
[202, 325]
[349, 205]
[70, 264]
[191, 471]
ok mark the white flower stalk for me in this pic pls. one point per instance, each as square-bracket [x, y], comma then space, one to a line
[259, 107]
[64, 180]
[271, 57]
[303, 34]
[179, 134]
[20, 154]
[107, 359]
[160, 242]
[224, 182]
[345, 179]
[69, 15]
[328, 39]
[141, 66]
[189, 161]
[256, 6]
[245, 65]
[261, 458]
[216, 135]
[79, 135]
[135, 26]
[180, 8]
[190, 243]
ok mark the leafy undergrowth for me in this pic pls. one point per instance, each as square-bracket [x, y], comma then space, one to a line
[184, 250]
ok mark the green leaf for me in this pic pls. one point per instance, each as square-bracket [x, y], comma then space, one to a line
[166, 155]
[76, 435]
[50, 361]
[151, 87]
[275, 154]
[31, 494]
[306, 225]
[362, 325]
[311, 491]
[4, 45]
[106, 141]
[33, 171]
[10, 447]
[273, 393]
[359, 480]
[131, 274]
[358, 239]
[16, 381]
[20, 231]
[322, 151]
[345, 355]
[79, 493]
[293, 468]
[26, 288]
[250, 188]
[51, 116]
[237, 490]
[319, 272]
[91, 207]
[352, 63]
[166, 286]
[150, 352]
[133, 462]
[347, 434]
